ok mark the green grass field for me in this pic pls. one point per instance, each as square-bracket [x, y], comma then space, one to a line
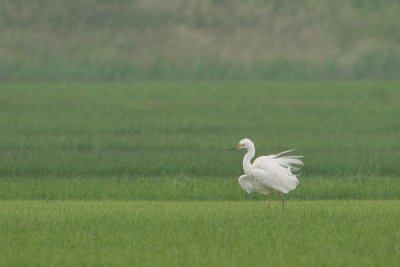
[110, 233]
[158, 129]
[140, 174]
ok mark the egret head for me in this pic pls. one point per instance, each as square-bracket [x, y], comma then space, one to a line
[244, 143]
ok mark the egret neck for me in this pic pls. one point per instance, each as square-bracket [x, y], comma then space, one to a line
[246, 159]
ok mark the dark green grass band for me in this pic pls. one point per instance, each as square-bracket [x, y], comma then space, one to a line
[190, 189]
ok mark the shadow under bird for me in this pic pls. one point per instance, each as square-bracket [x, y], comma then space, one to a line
[268, 174]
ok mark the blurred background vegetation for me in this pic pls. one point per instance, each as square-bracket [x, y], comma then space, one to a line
[98, 40]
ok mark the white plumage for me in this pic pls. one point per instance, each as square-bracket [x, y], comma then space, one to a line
[270, 173]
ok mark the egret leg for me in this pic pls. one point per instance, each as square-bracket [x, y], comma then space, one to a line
[269, 202]
[282, 199]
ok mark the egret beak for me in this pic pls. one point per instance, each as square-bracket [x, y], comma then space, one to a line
[236, 147]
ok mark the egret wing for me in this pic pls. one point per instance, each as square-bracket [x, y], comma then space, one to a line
[267, 179]
[249, 184]
[289, 163]
[245, 183]
[275, 179]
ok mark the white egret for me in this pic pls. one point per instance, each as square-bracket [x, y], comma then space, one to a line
[268, 174]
